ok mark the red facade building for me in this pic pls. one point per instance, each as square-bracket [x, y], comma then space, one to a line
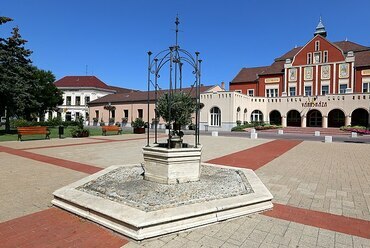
[320, 67]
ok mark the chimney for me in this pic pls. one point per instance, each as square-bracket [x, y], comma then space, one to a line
[223, 85]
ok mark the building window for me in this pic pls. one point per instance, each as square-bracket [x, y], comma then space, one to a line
[307, 90]
[125, 113]
[324, 89]
[292, 91]
[215, 117]
[317, 45]
[256, 116]
[250, 92]
[317, 57]
[309, 58]
[113, 113]
[365, 87]
[239, 91]
[342, 88]
[87, 99]
[272, 92]
[97, 114]
[68, 116]
[77, 115]
[325, 59]
[140, 113]
[68, 100]
[78, 101]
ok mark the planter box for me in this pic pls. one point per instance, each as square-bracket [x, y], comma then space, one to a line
[139, 130]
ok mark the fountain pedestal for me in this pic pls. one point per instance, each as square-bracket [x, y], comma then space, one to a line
[171, 166]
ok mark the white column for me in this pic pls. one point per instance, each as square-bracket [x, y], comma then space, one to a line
[303, 121]
[348, 120]
[283, 121]
[325, 122]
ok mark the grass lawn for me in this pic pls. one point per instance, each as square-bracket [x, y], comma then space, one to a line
[94, 131]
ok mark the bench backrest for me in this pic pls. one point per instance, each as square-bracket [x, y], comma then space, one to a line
[110, 128]
[36, 129]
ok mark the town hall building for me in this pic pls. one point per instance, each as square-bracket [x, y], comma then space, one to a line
[321, 84]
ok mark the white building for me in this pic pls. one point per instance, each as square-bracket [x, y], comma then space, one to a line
[77, 92]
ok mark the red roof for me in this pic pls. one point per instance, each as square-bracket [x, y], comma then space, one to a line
[81, 81]
[347, 46]
[141, 96]
[362, 58]
[248, 74]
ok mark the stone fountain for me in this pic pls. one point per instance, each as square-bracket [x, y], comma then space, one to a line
[172, 190]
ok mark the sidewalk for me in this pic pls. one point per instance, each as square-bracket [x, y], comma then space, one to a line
[309, 180]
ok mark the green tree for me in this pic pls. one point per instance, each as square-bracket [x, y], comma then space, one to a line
[4, 19]
[45, 95]
[176, 108]
[15, 75]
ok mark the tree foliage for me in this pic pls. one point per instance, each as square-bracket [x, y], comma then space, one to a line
[15, 74]
[24, 89]
[176, 108]
[46, 96]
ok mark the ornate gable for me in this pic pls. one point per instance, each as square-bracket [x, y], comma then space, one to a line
[318, 51]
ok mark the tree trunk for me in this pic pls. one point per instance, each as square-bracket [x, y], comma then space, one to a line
[7, 122]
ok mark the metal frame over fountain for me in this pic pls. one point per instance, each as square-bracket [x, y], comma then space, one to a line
[173, 162]
[172, 190]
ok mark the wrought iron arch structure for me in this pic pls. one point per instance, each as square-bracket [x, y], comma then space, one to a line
[175, 58]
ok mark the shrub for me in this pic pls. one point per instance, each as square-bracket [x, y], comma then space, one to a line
[78, 130]
[138, 123]
[56, 121]
[238, 123]
[356, 129]
[19, 123]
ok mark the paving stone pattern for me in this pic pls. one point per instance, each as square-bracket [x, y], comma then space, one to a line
[332, 178]
[329, 178]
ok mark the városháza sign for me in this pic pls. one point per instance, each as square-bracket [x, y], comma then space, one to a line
[315, 104]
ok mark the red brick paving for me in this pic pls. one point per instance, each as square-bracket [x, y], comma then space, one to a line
[56, 228]
[256, 157]
[101, 140]
[89, 169]
[327, 221]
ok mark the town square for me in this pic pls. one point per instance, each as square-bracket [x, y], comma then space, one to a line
[184, 125]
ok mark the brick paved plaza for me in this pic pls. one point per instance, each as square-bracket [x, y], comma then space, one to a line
[321, 193]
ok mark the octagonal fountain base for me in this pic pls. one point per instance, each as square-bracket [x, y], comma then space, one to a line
[171, 166]
[119, 198]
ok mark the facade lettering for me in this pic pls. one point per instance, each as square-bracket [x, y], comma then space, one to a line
[314, 104]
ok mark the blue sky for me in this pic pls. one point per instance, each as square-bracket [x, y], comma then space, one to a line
[112, 37]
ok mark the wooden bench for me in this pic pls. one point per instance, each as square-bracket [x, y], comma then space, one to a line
[106, 129]
[33, 131]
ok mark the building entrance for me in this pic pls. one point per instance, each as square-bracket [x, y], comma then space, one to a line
[293, 118]
[360, 117]
[314, 118]
[275, 117]
[336, 118]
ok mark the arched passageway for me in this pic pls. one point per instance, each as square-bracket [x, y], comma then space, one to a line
[275, 117]
[257, 116]
[314, 118]
[360, 117]
[293, 118]
[336, 118]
